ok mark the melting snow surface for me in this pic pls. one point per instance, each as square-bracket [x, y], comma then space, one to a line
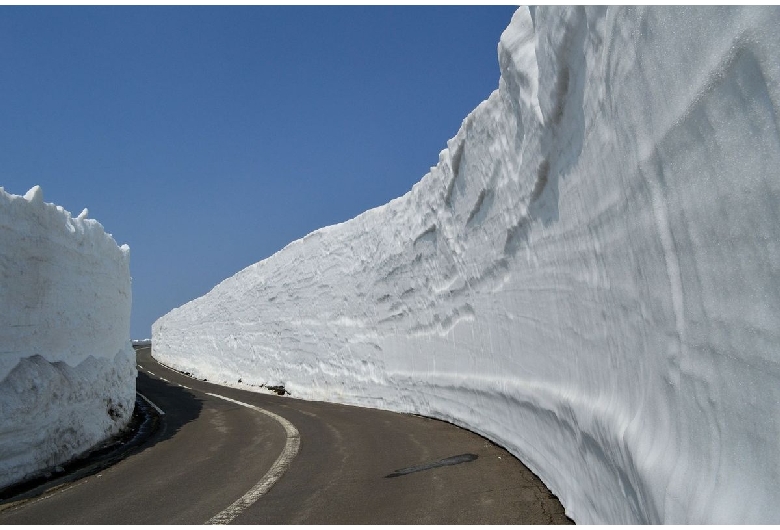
[67, 370]
[590, 276]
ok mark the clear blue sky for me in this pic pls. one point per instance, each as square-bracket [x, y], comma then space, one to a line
[208, 138]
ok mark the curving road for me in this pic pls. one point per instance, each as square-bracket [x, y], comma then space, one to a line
[218, 450]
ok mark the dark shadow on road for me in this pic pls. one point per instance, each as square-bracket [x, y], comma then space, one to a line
[188, 407]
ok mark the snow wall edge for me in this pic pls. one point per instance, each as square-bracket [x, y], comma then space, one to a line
[588, 277]
[67, 369]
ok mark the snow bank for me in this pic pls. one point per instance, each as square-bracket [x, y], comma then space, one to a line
[590, 276]
[67, 369]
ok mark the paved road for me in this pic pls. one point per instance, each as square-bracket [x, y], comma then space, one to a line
[209, 452]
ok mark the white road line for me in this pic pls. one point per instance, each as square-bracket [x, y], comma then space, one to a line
[155, 407]
[163, 379]
[184, 386]
[278, 469]
[151, 373]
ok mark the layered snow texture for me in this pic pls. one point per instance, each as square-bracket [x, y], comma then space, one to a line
[67, 369]
[590, 276]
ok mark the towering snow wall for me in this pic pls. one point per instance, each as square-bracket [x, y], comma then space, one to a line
[590, 276]
[67, 369]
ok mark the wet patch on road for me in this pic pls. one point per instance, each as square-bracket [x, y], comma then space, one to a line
[450, 461]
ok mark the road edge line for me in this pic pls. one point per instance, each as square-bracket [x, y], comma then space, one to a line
[291, 446]
[155, 407]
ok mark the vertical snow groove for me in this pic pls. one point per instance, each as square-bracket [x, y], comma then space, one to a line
[663, 225]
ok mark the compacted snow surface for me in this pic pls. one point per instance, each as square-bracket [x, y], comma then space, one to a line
[590, 276]
[67, 369]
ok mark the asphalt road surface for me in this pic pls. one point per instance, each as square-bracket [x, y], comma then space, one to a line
[217, 460]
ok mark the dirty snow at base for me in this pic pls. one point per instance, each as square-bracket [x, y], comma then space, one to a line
[67, 369]
[590, 275]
